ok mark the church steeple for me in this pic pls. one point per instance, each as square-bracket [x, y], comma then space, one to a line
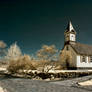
[70, 34]
[70, 28]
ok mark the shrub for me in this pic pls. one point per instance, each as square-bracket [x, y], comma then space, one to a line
[21, 64]
[45, 66]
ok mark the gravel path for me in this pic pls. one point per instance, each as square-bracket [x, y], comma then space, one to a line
[27, 85]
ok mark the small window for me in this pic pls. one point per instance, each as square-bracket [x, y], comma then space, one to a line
[67, 48]
[83, 59]
[72, 35]
[90, 58]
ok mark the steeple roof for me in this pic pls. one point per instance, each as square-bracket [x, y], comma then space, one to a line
[70, 28]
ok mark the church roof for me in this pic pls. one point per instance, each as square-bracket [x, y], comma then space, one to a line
[70, 28]
[82, 49]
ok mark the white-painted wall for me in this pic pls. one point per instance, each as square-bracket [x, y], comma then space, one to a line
[83, 64]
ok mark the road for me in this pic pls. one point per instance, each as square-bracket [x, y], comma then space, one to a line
[28, 85]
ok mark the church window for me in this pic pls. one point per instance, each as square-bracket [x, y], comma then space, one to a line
[72, 35]
[90, 58]
[83, 59]
[67, 48]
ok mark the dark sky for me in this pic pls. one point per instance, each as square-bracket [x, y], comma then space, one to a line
[36, 22]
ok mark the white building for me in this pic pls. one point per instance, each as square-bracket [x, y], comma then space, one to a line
[81, 53]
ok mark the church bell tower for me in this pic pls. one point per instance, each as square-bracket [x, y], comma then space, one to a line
[70, 34]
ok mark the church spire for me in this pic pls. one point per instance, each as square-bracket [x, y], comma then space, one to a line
[70, 28]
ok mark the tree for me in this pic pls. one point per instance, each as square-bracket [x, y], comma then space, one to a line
[47, 52]
[2, 49]
[45, 66]
[14, 52]
[45, 55]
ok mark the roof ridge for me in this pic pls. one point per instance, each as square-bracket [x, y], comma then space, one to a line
[82, 48]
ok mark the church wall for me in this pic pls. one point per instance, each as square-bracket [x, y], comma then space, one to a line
[73, 62]
[73, 58]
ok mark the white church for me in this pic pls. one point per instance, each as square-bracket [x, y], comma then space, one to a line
[81, 53]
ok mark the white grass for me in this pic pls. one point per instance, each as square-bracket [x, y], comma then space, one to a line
[58, 71]
[3, 69]
[2, 90]
[86, 83]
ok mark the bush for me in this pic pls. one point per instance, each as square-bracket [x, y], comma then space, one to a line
[21, 64]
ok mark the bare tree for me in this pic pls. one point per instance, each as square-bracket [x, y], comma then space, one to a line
[45, 66]
[45, 55]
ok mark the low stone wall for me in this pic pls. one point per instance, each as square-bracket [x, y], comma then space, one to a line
[63, 75]
[52, 76]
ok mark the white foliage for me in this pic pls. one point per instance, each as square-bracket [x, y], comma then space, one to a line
[14, 52]
[47, 52]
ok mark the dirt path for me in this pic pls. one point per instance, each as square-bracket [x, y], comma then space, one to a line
[27, 85]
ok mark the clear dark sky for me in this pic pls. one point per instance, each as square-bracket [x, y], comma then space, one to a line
[36, 22]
